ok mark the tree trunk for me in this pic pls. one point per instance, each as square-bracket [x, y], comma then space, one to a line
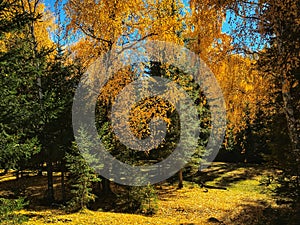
[292, 123]
[293, 127]
[180, 179]
[40, 171]
[249, 152]
[17, 175]
[63, 189]
[50, 191]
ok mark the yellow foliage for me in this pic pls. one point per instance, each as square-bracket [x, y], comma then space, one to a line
[104, 22]
[114, 85]
[244, 89]
[42, 27]
[205, 30]
[110, 24]
[147, 110]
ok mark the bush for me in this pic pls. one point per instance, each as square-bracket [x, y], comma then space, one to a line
[140, 200]
[8, 208]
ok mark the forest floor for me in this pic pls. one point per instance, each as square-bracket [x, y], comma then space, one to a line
[245, 201]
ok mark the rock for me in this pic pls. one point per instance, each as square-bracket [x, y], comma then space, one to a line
[214, 220]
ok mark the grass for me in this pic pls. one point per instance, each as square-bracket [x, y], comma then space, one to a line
[244, 201]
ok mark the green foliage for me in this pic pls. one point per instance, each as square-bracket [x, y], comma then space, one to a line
[82, 176]
[19, 96]
[81, 179]
[36, 94]
[140, 200]
[8, 208]
[288, 187]
[58, 87]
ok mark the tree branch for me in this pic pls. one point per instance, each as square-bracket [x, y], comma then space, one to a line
[91, 33]
[141, 39]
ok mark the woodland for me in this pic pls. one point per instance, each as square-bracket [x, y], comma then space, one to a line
[252, 48]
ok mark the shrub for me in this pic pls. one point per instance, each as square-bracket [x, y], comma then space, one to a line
[8, 208]
[140, 200]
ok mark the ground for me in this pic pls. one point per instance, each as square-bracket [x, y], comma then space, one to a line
[245, 201]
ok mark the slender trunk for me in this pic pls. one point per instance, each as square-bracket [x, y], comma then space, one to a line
[40, 170]
[63, 188]
[293, 127]
[17, 174]
[50, 191]
[292, 123]
[180, 179]
[249, 143]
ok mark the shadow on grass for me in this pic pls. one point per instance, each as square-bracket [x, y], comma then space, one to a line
[33, 187]
[261, 213]
[166, 189]
[227, 174]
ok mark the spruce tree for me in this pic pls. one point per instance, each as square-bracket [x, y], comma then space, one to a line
[19, 99]
[81, 176]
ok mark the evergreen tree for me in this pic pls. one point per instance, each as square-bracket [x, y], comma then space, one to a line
[19, 97]
[81, 176]
[37, 87]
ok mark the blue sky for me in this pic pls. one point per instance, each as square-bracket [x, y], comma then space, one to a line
[50, 4]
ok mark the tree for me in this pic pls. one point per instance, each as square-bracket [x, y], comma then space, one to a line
[19, 95]
[280, 25]
[272, 28]
[106, 25]
[38, 86]
[82, 176]
[246, 90]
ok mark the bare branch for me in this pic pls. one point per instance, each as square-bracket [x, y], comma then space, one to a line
[89, 32]
[139, 40]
